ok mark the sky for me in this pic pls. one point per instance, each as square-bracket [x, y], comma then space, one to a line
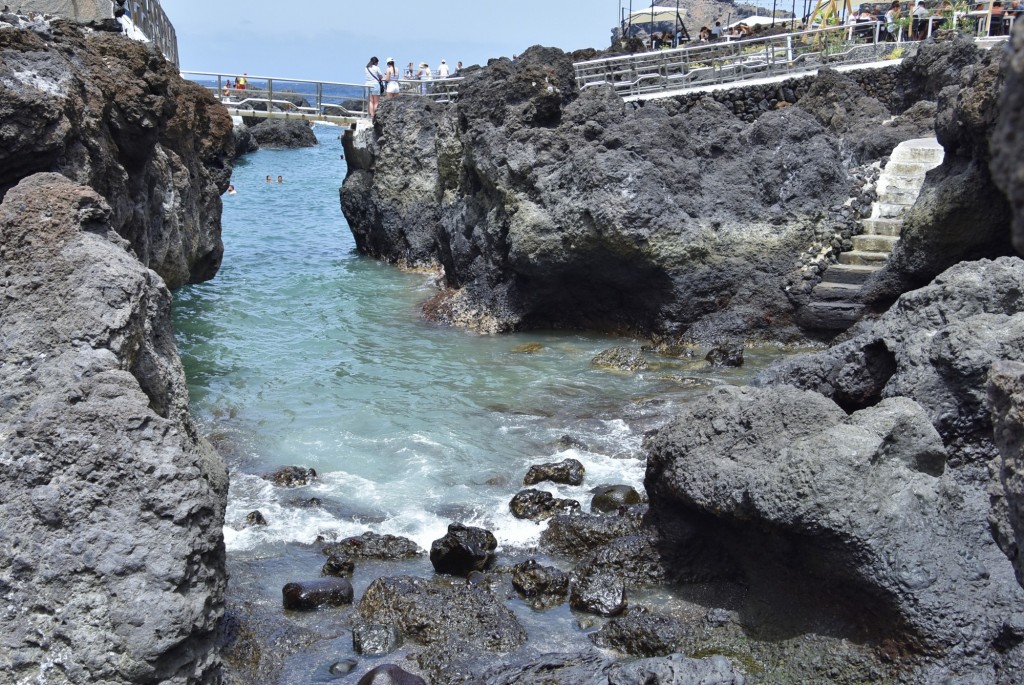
[332, 40]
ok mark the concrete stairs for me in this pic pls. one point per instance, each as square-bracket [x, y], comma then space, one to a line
[835, 301]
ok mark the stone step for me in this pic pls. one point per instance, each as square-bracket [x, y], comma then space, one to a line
[887, 210]
[882, 226]
[827, 290]
[919, 150]
[898, 196]
[830, 316]
[909, 169]
[874, 243]
[852, 274]
[859, 257]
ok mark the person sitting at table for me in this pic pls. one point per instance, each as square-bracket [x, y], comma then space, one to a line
[995, 27]
[891, 17]
[704, 35]
[919, 27]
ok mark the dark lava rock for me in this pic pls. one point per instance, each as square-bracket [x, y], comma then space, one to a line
[641, 633]
[309, 595]
[829, 512]
[462, 550]
[1007, 144]
[725, 355]
[567, 472]
[291, 476]
[568, 442]
[245, 141]
[255, 518]
[389, 674]
[537, 505]
[676, 670]
[603, 594]
[338, 565]
[438, 611]
[375, 639]
[1006, 402]
[374, 546]
[629, 359]
[280, 134]
[608, 498]
[577, 535]
[935, 346]
[545, 584]
[636, 559]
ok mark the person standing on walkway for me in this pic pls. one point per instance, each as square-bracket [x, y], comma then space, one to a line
[891, 17]
[374, 85]
[391, 76]
[442, 71]
[424, 75]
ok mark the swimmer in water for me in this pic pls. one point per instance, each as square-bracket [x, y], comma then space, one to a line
[268, 179]
[280, 179]
[231, 189]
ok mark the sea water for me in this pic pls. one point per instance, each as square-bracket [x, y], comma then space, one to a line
[303, 352]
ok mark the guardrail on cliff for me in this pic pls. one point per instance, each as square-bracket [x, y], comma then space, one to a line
[335, 102]
[662, 73]
[148, 17]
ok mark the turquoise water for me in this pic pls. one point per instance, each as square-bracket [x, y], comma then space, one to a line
[303, 352]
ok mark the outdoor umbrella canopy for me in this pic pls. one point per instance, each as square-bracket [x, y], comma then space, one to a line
[661, 13]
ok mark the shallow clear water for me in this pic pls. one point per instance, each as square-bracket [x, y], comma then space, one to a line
[303, 352]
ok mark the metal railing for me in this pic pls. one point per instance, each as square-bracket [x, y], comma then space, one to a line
[148, 16]
[333, 102]
[649, 73]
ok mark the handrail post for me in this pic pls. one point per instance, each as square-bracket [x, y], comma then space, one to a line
[270, 93]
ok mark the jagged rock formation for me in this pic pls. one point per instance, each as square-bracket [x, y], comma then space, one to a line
[844, 519]
[1007, 143]
[108, 113]
[545, 207]
[1006, 402]
[111, 506]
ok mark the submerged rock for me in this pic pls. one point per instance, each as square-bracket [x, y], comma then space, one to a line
[255, 518]
[291, 476]
[462, 550]
[567, 472]
[577, 535]
[725, 355]
[309, 595]
[371, 545]
[628, 359]
[375, 639]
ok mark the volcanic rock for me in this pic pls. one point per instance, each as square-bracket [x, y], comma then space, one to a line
[629, 359]
[807, 499]
[602, 593]
[309, 595]
[725, 355]
[112, 506]
[608, 498]
[537, 505]
[577, 535]
[567, 472]
[1006, 143]
[389, 674]
[545, 584]
[291, 476]
[108, 113]
[371, 545]
[375, 639]
[280, 134]
[642, 633]
[462, 550]
[1006, 402]
[435, 611]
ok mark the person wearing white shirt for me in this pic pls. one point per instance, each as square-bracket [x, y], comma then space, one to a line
[442, 71]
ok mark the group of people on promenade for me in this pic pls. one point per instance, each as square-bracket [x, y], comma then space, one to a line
[388, 82]
[922, 17]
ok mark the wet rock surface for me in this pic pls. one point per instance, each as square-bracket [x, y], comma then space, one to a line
[796, 464]
[1006, 402]
[291, 476]
[537, 505]
[310, 595]
[112, 506]
[725, 356]
[566, 472]
[1007, 144]
[389, 674]
[371, 545]
[438, 611]
[462, 550]
[609, 498]
[599, 593]
[627, 359]
[542, 585]
[577, 535]
[642, 633]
